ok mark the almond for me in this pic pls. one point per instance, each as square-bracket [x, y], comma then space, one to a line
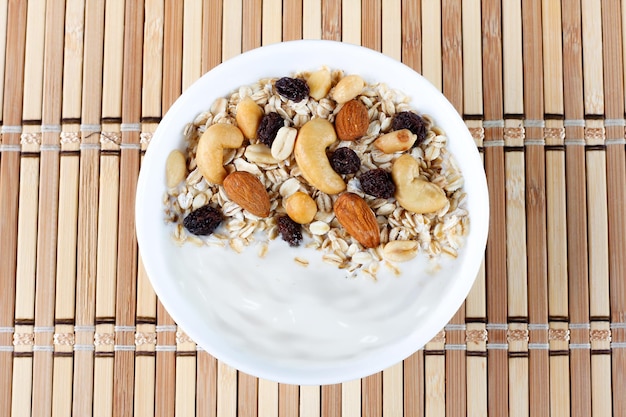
[247, 190]
[352, 121]
[358, 219]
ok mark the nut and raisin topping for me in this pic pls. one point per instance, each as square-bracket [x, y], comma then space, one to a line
[269, 127]
[345, 161]
[413, 122]
[289, 230]
[378, 183]
[294, 89]
[203, 221]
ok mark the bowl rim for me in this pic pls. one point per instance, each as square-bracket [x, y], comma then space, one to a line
[459, 287]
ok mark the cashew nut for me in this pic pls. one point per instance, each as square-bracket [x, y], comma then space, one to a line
[310, 152]
[210, 152]
[319, 83]
[412, 192]
[348, 88]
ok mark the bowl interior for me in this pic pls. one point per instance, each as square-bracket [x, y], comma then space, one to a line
[271, 317]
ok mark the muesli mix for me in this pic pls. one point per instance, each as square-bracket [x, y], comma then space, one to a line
[322, 160]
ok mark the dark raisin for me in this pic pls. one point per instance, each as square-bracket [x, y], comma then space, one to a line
[268, 128]
[295, 89]
[411, 121]
[203, 221]
[289, 230]
[377, 182]
[345, 161]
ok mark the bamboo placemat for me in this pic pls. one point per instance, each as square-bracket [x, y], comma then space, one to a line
[540, 84]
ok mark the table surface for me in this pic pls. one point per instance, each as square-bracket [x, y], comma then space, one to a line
[541, 88]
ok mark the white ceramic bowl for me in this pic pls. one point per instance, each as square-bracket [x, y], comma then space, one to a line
[270, 317]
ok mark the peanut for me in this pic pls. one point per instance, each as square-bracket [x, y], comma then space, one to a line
[412, 192]
[259, 154]
[348, 88]
[248, 117]
[396, 141]
[210, 152]
[300, 207]
[310, 153]
[175, 168]
[284, 143]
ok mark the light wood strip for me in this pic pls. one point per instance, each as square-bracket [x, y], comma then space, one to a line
[268, 398]
[73, 59]
[25, 281]
[66, 281]
[392, 28]
[232, 30]
[48, 203]
[435, 386]
[371, 24]
[513, 69]
[292, 20]
[192, 42]
[3, 46]
[251, 26]
[153, 58]
[412, 34]
[113, 59]
[432, 62]
[351, 398]
[34, 56]
[431, 42]
[288, 400]
[552, 57]
[472, 58]
[87, 235]
[392, 390]
[227, 390]
[27, 240]
[145, 365]
[310, 400]
[20, 398]
[331, 20]
[592, 57]
[351, 21]
[616, 185]
[247, 395]
[68, 210]
[185, 389]
[207, 382]
[271, 26]
[312, 19]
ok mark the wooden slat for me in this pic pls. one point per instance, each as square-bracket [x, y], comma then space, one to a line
[126, 286]
[48, 203]
[612, 26]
